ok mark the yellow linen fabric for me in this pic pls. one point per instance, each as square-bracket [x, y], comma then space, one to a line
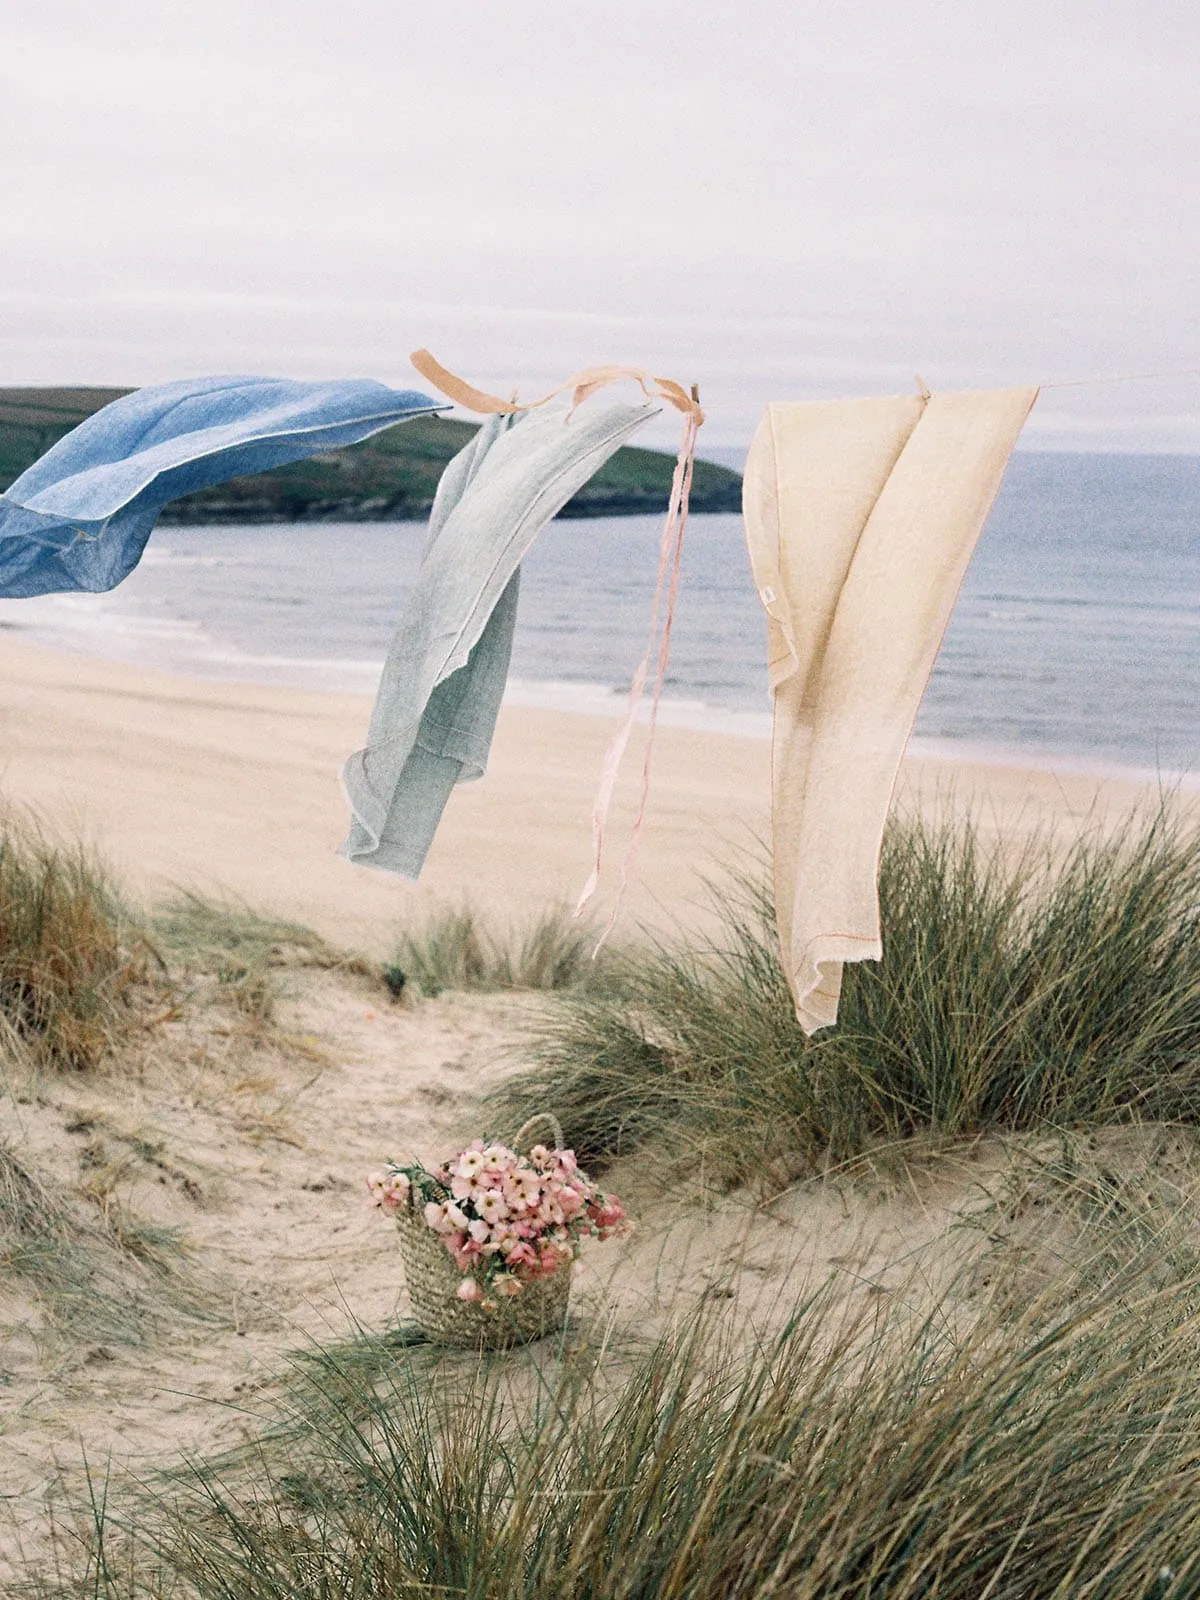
[861, 516]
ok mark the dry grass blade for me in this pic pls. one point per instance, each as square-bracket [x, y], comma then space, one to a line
[28, 1210]
[109, 1281]
[227, 934]
[224, 952]
[72, 960]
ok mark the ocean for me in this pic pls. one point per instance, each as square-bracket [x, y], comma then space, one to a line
[1076, 638]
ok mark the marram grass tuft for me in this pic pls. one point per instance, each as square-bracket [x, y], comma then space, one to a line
[457, 949]
[71, 958]
[1014, 992]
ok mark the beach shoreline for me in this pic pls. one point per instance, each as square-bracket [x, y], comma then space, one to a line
[231, 790]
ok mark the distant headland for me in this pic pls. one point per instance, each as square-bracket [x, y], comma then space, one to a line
[389, 477]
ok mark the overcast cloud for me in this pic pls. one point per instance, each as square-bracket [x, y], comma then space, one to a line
[777, 199]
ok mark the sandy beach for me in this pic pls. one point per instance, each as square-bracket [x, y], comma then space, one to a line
[245, 1130]
[232, 789]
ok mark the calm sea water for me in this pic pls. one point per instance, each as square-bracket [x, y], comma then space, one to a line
[1077, 634]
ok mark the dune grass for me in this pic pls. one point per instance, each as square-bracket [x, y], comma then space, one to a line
[458, 949]
[110, 1279]
[72, 959]
[1045, 1448]
[1026, 1433]
[193, 928]
[1050, 987]
[244, 951]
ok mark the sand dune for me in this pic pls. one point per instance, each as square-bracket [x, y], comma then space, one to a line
[252, 1138]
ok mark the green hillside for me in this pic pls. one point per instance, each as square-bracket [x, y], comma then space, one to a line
[392, 475]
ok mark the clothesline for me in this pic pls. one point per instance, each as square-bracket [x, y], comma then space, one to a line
[1122, 377]
[1087, 383]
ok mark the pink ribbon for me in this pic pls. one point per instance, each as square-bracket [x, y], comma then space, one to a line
[670, 553]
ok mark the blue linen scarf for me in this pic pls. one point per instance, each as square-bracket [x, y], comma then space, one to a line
[79, 518]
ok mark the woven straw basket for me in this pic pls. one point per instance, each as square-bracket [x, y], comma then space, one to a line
[433, 1278]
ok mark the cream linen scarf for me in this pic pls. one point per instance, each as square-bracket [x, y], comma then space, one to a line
[861, 516]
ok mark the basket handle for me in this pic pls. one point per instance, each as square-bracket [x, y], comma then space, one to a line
[544, 1123]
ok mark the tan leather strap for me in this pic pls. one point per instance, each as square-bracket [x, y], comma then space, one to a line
[582, 385]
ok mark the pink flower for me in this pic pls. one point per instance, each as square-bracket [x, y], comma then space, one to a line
[553, 1255]
[468, 1289]
[389, 1188]
[491, 1206]
[522, 1190]
[609, 1217]
[511, 1218]
[498, 1158]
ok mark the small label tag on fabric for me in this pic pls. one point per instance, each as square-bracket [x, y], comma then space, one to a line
[767, 596]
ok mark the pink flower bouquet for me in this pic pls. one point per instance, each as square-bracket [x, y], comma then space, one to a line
[506, 1220]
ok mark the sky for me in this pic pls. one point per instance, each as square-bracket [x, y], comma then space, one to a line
[777, 199]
